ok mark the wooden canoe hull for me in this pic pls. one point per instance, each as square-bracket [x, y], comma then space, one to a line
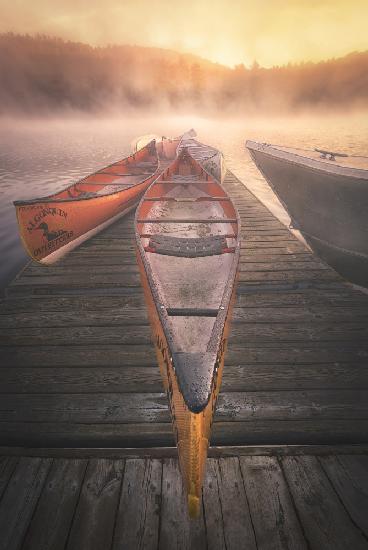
[53, 225]
[192, 431]
[188, 248]
[64, 223]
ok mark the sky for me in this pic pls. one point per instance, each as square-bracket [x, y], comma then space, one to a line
[273, 32]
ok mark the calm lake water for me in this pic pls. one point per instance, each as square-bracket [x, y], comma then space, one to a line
[40, 157]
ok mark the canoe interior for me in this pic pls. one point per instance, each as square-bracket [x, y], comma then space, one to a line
[210, 158]
[188, 250]
[186, 192]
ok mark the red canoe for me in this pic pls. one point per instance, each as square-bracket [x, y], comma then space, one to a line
[53, 225]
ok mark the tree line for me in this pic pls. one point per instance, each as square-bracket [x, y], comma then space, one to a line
[42, 74]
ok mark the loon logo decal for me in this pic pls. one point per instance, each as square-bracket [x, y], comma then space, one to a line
[50, 235]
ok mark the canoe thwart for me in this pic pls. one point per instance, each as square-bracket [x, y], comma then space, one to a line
[191, 312]
[187, 220]
[186, 199]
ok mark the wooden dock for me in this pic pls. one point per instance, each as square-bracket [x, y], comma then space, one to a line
[254, 502]
[80, 387]
[78, 367]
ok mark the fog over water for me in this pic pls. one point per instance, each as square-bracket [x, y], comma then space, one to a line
[38, 157]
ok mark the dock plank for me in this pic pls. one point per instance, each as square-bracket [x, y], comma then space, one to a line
[94, 519]
[137, 521]
[177, 531]
[50, 524]
[238, 528]
[243, 377]
[349, 477]
[324, 519]
[274, 519]
[20, 499]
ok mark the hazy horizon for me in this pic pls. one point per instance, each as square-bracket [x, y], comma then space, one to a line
[273, 33]
[43, 74]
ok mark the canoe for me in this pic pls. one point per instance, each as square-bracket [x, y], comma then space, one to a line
[211, 159]
[53, 225]
[188, 242]
[326, 196]
[208, 157]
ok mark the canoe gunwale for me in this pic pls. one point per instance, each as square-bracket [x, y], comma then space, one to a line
[303, 160]
[53, 197]
[47, 200]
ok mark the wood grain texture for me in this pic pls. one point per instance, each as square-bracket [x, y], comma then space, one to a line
[177, 531]
[325, 521]
[94, 519]
[215, 529]
[349, 477]
[20, 499]
[50, 524]
[238, 528]
[138, 518]
[274, 519]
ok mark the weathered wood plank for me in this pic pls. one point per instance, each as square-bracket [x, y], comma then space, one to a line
[274, 519]
[82, 279]
[122, 316]
[50, 524]
[128, 335]
[137, 522]
[348, 332]
[152, 407]
[325, 521]
[237, 523]
[93, 356]
[284, 266]
[132, 315]
[313, 314]
[310, 431]
[349, 477]
[19, 500]
[140, 334]
[143, 355]
[151, 453]
[177, 531]
[7, 466]
[288, 276]
[296, 353]
[143, 379]
[36, 271]
[303, 298]
[94, 519]
[43, 304]
[212, 507]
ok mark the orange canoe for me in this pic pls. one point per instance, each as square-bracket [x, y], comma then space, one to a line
[188, 243]
[53, 225]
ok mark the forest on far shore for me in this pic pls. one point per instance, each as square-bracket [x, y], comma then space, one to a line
[41, 74]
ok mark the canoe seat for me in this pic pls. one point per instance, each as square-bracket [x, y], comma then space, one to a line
[187, 247]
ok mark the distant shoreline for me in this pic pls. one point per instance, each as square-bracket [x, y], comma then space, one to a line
[43, 75]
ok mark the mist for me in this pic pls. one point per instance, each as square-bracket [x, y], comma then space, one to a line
[41, 75]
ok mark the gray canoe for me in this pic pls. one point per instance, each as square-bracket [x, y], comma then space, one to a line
[326, 196]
